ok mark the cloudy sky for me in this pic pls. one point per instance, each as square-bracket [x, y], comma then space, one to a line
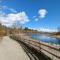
[37, 14]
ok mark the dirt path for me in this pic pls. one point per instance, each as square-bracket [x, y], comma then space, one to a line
[11, 50]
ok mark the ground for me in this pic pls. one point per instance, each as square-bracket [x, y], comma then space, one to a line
[11, 50]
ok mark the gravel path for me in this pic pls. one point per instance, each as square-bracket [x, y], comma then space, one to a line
[11, 50]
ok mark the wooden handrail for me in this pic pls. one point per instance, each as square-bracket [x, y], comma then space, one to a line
[48, 51]
[34, 41]
[46, 45]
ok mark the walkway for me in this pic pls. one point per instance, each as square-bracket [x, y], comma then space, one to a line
[11, 50]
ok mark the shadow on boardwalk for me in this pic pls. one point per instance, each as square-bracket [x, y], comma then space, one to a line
[33, 53]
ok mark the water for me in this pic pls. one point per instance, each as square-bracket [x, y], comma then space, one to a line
[46, 39]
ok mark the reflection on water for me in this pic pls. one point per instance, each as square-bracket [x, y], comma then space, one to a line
[47, 39]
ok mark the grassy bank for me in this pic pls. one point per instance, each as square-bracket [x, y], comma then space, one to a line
[2, 32]
[56, 36]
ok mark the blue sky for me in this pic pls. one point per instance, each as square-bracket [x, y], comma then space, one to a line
[37, 13]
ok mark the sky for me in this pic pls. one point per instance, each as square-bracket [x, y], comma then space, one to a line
[37, 14]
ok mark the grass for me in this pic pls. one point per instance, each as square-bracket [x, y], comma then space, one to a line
[2, 32]
[57, 36]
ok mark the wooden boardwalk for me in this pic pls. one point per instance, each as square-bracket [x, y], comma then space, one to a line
[49, 51]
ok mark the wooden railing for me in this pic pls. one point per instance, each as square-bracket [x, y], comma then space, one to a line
[48, 50]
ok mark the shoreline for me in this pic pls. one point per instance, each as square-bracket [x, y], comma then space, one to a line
[56, 36]
[29, 37]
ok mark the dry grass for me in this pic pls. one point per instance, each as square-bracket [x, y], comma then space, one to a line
[57, 36]
[2, 32]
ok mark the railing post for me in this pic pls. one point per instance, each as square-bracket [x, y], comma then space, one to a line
[40, 46]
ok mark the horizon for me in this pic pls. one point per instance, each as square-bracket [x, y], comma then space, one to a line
[39, 14]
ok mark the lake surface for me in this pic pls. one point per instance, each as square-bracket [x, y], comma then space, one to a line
[46, 39]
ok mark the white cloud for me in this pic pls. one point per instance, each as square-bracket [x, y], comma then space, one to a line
[11, 9]
[36, 19]
[47, 30]
[9, 19]
[7, 8]
[42, 13]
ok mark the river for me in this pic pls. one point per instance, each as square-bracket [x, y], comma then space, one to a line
[46, 39]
